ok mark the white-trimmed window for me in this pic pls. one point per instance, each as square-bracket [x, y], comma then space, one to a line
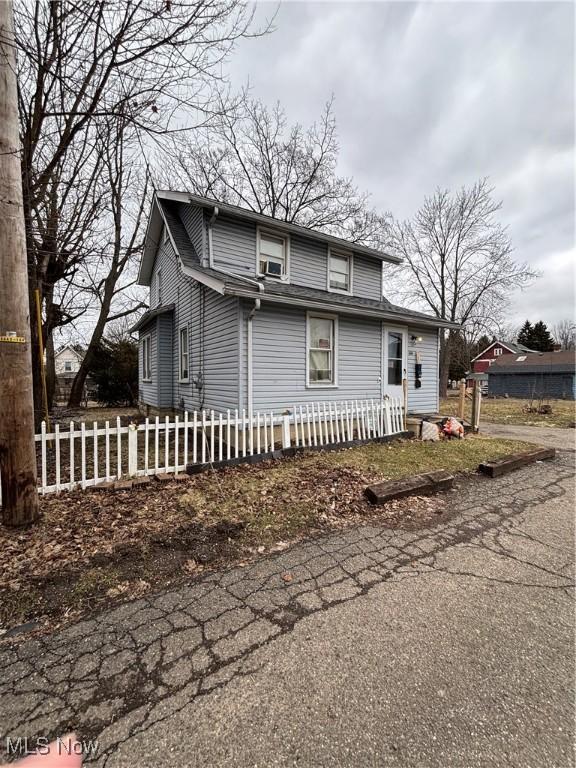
[497, 351]
[146, 359]
[339, 271]
[159, 286]
[273, 254]
[184, 371]
[322, 337]
[68, 366]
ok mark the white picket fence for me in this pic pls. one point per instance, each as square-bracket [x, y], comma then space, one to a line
[84, 455]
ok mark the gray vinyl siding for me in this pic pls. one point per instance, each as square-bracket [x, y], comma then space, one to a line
[193, 219]
[148, 390]
[367, 278]
[234, 249]
[279, 360]
[425, 399]
[308, 263]
[164, 359]
[234, 245]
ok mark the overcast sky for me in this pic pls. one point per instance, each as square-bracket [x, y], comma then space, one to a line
[441, 94]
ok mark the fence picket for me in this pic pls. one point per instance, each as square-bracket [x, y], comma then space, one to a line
[203, 437]
[243, 432]
[176, 446]
[157, 445]
[220, 437]
[95, 430]
[118, 448]
[195, 438]
[71, 434]
[166, 443]
[185, 439]
[43, 453]
[236, 435]
[57, 456]
[212, 454]
[228, 434]
[257, 431]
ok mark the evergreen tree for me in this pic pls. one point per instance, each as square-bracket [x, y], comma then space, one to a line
[543, 341]
[526, 334]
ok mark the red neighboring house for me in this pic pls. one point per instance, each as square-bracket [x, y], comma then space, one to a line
[482, 362]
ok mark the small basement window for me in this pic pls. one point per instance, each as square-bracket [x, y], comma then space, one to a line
[146, 359]
[272, 255]
[183, 371]
[322, 331]
[340, 272]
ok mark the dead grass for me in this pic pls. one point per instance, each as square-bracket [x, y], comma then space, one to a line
[91, 548]
[514, 411]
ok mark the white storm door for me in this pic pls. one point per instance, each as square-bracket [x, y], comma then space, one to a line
[395, 361]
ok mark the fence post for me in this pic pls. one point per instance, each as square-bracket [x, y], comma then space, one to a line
[476, 400]
[285, 430]
[462, 400]
[132, 449]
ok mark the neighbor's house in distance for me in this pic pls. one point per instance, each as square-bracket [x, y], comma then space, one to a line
[539, 375]
[250, 312]
[66, 363]
[495, 351]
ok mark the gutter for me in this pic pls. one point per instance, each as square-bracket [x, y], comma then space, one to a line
[348, 309]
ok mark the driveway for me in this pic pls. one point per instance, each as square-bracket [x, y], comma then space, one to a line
[551, 437]
[449, 646]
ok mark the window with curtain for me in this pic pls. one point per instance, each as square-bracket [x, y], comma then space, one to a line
[321, 350]
[395, 358]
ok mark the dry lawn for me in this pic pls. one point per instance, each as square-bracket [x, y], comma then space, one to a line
[92, 548]
[514, 411]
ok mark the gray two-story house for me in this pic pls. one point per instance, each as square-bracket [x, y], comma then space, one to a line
[249, 312]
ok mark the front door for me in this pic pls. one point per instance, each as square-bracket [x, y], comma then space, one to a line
[395, 360]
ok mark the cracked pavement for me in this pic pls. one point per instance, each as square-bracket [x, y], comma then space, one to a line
[447, 646]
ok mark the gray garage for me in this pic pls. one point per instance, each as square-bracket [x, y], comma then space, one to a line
[537, 375]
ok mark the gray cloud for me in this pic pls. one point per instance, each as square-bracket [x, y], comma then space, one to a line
[440, 94]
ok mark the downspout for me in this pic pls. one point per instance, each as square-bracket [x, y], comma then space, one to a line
[249, 364]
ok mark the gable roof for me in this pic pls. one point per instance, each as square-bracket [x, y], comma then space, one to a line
[537, 362]
[76, 349]
[511, 346]
[277, 292]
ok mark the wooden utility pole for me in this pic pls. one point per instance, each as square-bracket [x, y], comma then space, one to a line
[17, 448]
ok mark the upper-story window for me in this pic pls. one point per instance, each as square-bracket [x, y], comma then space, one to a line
[339, 272]
[273, 255]
[68, 366]
[497, 351]
[159, 287]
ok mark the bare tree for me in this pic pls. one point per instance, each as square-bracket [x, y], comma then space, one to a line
[257, 160]
[564, 334]
[153, 64]
[458, 261]
[108, 278]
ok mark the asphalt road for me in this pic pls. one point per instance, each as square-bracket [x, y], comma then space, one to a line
[450, 646]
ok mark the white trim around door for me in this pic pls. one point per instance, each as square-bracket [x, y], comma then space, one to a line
[394, 359]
